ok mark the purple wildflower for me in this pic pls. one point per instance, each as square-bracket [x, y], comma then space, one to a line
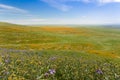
[52, 58]
[52, 71]
[6, 72]
[46, 74]
[99, 71]
[7, 61]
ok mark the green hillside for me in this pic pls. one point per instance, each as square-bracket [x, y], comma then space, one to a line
[73, 53]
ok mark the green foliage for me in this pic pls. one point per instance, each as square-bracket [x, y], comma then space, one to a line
[62, 53]
[57, 65]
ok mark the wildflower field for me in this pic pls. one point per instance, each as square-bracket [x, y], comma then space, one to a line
[59, 53]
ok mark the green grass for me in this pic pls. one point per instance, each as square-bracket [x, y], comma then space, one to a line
[80, 53]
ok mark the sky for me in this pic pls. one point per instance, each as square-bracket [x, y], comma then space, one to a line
[60, 11]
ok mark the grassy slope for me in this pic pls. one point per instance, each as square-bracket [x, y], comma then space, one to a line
[103, 41]
[28, 53]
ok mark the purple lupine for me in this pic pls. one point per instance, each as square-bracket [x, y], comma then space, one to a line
[7, 61]
[52, 58]
[6, 73]
[46, 74]
[52, 71]
[99, 71]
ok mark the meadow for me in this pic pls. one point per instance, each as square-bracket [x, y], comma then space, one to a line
[59, 53]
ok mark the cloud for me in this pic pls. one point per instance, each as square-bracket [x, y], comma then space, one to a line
[83, 20]
[109, 1]
[58, 4]
[63, 6]
[17, 15]
[8, 8]
[25, 21]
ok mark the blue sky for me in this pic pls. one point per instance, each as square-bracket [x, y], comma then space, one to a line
[60, 11]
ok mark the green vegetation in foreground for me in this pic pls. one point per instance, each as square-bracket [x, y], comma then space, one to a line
[43, 53]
